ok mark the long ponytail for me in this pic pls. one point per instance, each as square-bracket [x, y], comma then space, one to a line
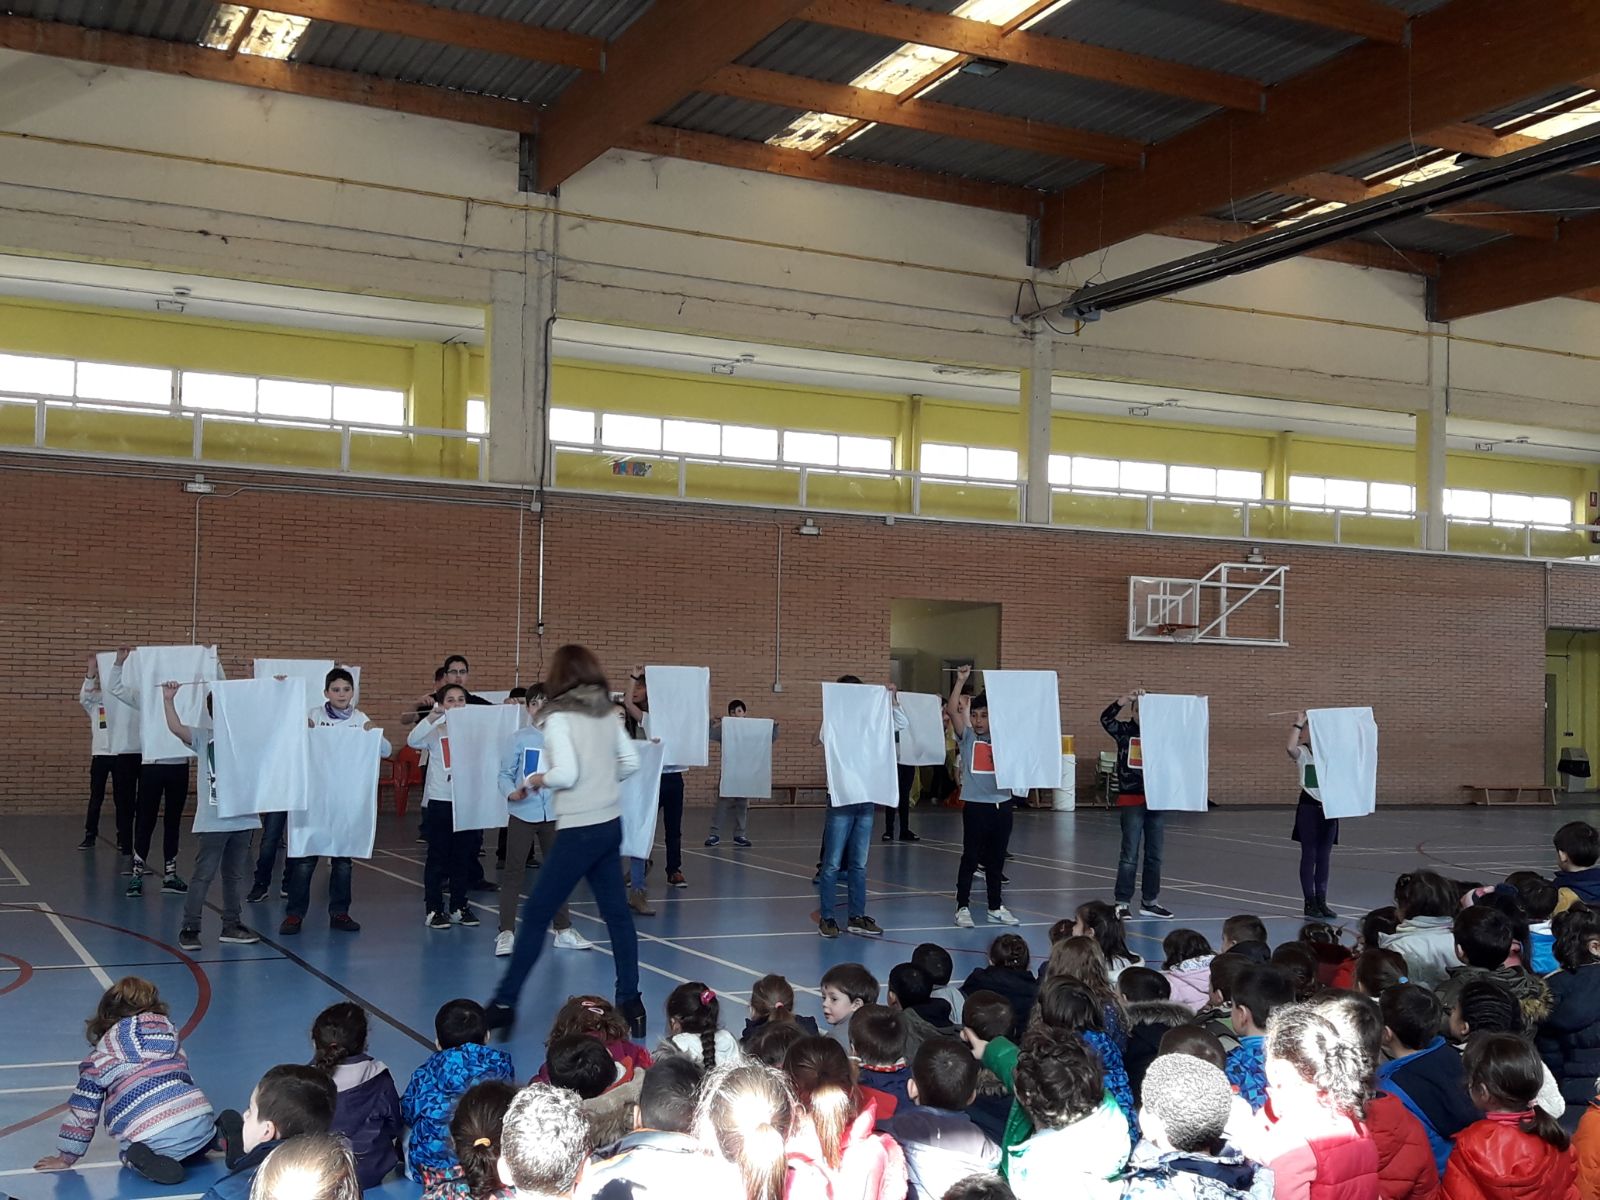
[694, 1006]
[1504, 1074]
[1306, 1040]
[746, 1112]
[825, 1085]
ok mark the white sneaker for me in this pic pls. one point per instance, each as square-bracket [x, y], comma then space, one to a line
[571, 939]
[963, 918]
[1002, 916]
[503, 941]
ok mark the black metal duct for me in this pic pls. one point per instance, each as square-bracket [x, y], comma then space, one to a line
[1568, 153]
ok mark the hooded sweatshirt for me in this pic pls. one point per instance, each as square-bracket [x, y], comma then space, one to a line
[1191, 981]
[1532, 993]
[1154, 1174]
[431, 1096]
[648, 1163]
[941, 1149]
[368, 1115]
[1078, 1159]
[1428, 944]
[1148, 1023]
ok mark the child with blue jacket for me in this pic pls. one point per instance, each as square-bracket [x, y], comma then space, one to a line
[289, 1101]
[463, 1059]
[533, 818]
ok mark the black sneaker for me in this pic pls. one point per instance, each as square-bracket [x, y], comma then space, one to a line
[188, 939]
[499, 1019]
[888, 835]
[437, 920]
[172, 884]
[1319, 909]
[713, 840]
[483, 885]
[238, 935]
[907, 836]
[743, 843]
[828, 928]
[865, 926]
[157, 1168]
[230, 1136]
[465, 916]
[87, 843]
[633, 1012]
[256, 894]
[1124, 912]
[1152, 908]
[344, 923]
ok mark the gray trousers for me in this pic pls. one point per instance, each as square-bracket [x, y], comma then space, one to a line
[231, 853]
[520, 836]
[739, 807]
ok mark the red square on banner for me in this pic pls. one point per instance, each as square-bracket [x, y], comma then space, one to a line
[983, 758]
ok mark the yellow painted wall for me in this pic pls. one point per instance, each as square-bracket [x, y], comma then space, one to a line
[1573, 657]
[438, 379]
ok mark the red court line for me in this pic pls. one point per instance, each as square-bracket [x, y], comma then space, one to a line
[202, 984]
[24, 973]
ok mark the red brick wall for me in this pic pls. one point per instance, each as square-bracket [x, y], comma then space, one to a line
[1448, 651]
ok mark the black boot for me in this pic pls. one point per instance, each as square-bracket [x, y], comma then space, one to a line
[633, 1012]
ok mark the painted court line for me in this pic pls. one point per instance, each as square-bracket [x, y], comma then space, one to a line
[78, 947]
[21, 879]
[55, 1087]
[30, 1066]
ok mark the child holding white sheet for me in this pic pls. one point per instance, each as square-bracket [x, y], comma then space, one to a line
[736, 807]
[337, 710]
[533, 818]
[163, 788]
[121, 769]
[221, 843]
[637, 701]
[986, 808]
[1316, 834]
[450, 853]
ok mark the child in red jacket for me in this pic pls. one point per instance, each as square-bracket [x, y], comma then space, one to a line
[1518, 1151]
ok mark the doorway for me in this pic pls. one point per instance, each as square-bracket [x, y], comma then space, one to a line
[929, 639]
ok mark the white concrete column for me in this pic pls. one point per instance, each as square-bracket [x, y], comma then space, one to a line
[1430, 441]
[1037, 407]
[522, 303]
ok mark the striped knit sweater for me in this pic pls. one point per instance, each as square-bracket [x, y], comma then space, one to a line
[137, 1074]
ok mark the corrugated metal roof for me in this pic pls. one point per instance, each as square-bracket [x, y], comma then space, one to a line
[1431, 237]
[1557, 195]
[170, 20]
[1068, 100]
[1268, 206]
[972, 160]
[818, 52]
[729, 118]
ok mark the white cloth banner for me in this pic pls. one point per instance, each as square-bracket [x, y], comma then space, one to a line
[858, 744]
[1175, 732]
[641, 801]
[680, 713]
[746, 758]
[1344, 745]
[1025, 727]
[313, 670]
[146, 669]
[479, 736]
[922, 740]
[122, 720]
[206, 817]
[341, 814]
[495, 697]
[260, 730]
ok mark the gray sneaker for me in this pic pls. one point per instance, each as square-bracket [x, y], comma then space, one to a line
[239, 935]
[188, 939]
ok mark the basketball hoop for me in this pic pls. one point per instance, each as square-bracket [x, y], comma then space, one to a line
[1179, 632]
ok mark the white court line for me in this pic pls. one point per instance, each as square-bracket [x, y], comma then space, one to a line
[27, 1066]
[706, 937]
[77, 1166]
[54, 1087]
[78, 947]
[12, 867]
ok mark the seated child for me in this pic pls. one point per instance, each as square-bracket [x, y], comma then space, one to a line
[543, 1142]
[1518, 1149]
[1080, 1137]
[313, 1166]
[1007, 973]
[1204, 1045]
[694, 1027]
[598, 1018]
[1186, 962]
[1326, 943]
[770, 1044]
[878, 1044]
[607, 1090]
[1539, 898]
[367, 1113]
[772, 1001]
[1483, 944]
[1246, 927]
[1376, 971]
[911, 995]
[1257, 992]
[1299, 962]
[462, 1060]
[986, 1017]
[1577, 879]
[1487, 1006]
[846, 987]
[138, 1076]
[1217, 1015]
[942, 1144]
[1151, 1014]
[834, 1148]
[290, 1100]
[660, 1155]
[1187, 1107]
[1423, 1071]
[935, 960]
[475, 1139]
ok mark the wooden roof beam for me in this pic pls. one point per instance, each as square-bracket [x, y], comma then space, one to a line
[845, 172]
[1363, 18]
[863, 104]
[982, 40]
[1346, 189]
[408, 18]
[60, 40]
[1506, 274]
[1352, 253]
[1486, 143]
[1449, 71]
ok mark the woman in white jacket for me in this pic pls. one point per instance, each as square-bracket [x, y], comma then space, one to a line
[588, 755]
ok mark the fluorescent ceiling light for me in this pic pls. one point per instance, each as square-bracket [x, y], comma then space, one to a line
[269, 35]
[1319, 211]
[902, 72]
[1567, 122]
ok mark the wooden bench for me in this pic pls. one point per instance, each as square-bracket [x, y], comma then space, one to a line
[793, 790]
[1483, 793]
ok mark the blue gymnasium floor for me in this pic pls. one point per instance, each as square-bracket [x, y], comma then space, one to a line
[66, 931]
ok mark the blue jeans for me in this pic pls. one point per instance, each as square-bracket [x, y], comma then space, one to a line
[591, 852]
[273, 825]
[845, 840]
[1138, 821]
[300, 873]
